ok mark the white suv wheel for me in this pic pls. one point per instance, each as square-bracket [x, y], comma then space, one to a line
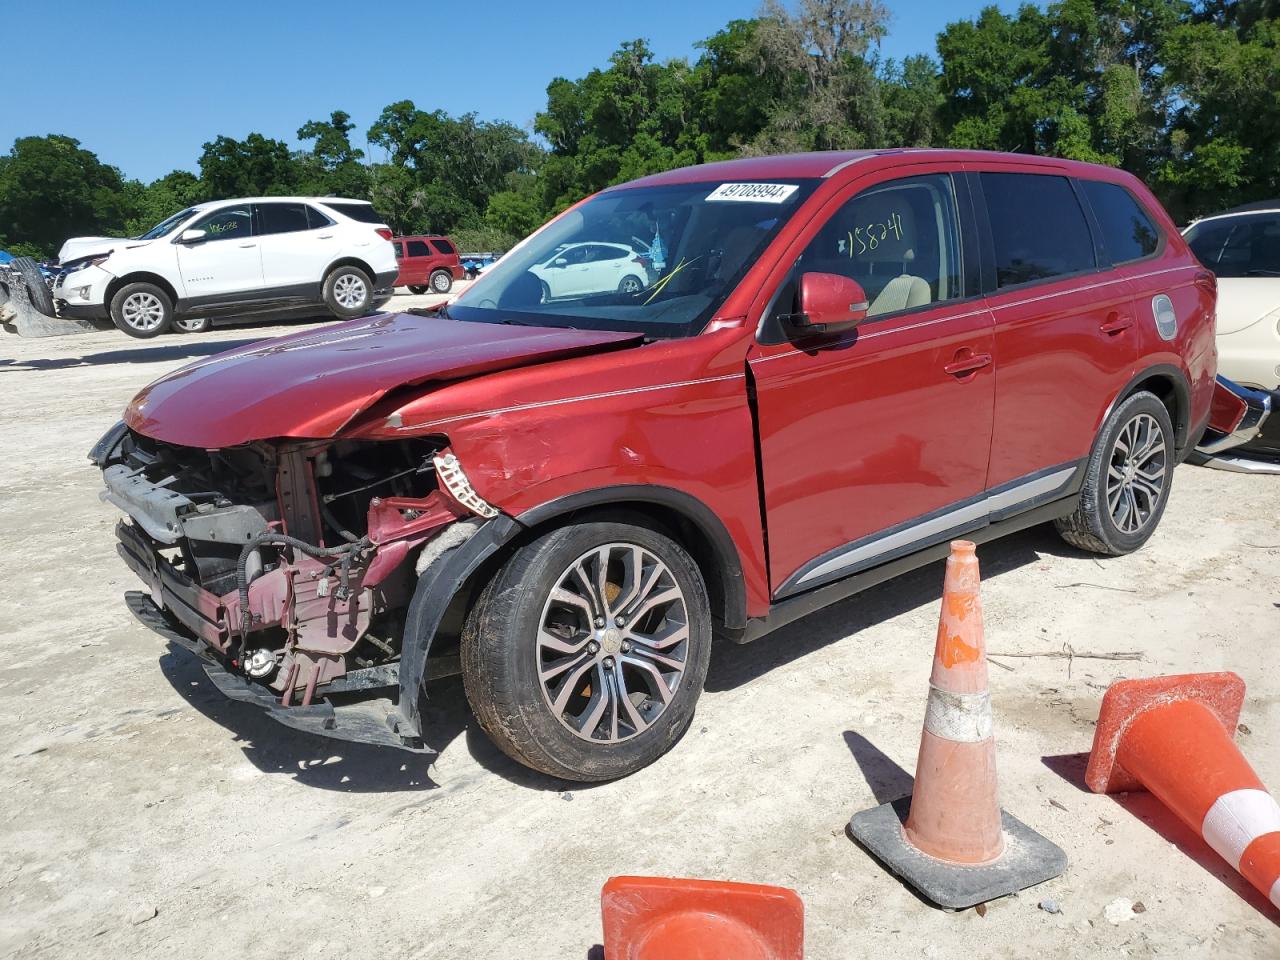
[350, 292]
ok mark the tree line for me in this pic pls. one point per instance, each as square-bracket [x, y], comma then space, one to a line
[1183, 93]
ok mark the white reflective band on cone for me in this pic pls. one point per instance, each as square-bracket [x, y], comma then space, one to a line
[962, 717]
[1275, 892]
[1238, 818]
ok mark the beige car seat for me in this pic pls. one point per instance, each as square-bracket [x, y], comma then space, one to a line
[901, 293]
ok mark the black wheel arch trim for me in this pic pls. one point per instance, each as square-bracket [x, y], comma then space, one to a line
[1183, 434]
[733, 616]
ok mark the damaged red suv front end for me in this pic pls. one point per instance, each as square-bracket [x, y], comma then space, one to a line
[277, 549]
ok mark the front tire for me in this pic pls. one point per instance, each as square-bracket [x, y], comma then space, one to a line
[141, 310]
[584, 657]
[441, 281]
[1128, 479]
[348, 292]
[37, 290]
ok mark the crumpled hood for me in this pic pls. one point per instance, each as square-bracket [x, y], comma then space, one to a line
[78, 247]
[311, 384]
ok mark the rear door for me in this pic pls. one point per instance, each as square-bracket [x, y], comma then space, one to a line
[874, 443]
[1064, 337]
[227, 263]
[298, 243]
[416, 266]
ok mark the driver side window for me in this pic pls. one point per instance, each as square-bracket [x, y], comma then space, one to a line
[229, 223]
[899, 240]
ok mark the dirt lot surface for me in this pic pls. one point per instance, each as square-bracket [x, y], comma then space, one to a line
[145, 816]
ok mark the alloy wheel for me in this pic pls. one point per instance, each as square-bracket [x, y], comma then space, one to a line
[612, 643]
[1137, 473]
[630, 285]
[440, 282]
[142, 311]
[350, 291]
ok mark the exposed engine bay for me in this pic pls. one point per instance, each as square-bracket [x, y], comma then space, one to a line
[290, 559]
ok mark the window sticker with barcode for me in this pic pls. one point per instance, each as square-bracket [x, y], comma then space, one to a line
[753, 192]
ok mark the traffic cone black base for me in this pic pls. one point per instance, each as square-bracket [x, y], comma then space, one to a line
[1028, 859]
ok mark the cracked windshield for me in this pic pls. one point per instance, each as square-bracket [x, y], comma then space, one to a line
[657, 260]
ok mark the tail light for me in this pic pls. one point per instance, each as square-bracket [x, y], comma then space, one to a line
[383, 232]
[643, 261]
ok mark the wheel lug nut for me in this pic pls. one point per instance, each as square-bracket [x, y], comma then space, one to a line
[599, 621]
[592, 647]
[622, 621]
[626, 647]
[608, 661]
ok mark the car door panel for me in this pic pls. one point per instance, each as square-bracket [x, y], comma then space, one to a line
[869, 435]
[876, 443]
[1065, 344]
[294, 254]
[227, 264]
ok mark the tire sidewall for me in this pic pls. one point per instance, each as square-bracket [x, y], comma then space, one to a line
[622, 284]
[331, 301]
[578, 759]
[117, 314]
[1095, 496]
[204, 323]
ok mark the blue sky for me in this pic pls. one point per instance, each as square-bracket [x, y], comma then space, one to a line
[143, 85]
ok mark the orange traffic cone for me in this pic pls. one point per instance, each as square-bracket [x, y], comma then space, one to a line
[952, 846]
[1173, 736]
[655, 918]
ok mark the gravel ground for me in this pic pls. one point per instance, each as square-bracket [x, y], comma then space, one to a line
[148, 817]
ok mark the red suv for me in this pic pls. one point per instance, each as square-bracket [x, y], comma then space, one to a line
[427, 263]
[837, 363]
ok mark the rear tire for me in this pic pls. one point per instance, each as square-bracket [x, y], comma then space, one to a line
[581, 681]
[37, 290]
[418, 289]
[1127, 480]
[192, 324]
[141, 310]
[348, 292]
[631, 284]
[441, 281]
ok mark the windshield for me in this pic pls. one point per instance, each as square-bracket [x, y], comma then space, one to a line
[164, 226]
[1240, 246]
[658, 260]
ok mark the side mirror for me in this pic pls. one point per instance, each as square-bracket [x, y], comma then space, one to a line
[560, 262]
[193, 236]
[829, 303]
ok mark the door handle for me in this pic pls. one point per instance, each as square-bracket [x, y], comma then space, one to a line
[966, 364]
[324, 236]
[1116, 323]
[247, 246]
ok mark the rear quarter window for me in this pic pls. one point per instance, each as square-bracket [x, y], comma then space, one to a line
[1038, 228]
[443, 245]
[363, 212]
[1128, 233]
[418, 248]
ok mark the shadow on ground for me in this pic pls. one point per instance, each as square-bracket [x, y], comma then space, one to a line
[734, 665]
[448, 724]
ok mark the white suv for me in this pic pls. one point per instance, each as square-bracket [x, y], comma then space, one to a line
[263, 255]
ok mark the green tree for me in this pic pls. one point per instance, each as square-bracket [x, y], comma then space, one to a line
[255, 166]
[334, 167]
[51, 188]
[149, 204]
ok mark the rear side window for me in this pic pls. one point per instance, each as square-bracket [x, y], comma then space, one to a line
[282, 218]
[1239, 246]
[363, 212]
[418, 248]
[1037, 226]
[1127, 231]
[443, 245]
[316, 219]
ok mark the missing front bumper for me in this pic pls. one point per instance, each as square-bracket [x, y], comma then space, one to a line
[363, 721]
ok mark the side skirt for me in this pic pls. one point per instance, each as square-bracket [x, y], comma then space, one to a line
[788, 611]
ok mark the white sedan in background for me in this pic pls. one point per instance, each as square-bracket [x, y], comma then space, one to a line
[583, 269]
[1242, 247]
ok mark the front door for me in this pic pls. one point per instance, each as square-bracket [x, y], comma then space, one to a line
[227, 263]
[875, 443]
